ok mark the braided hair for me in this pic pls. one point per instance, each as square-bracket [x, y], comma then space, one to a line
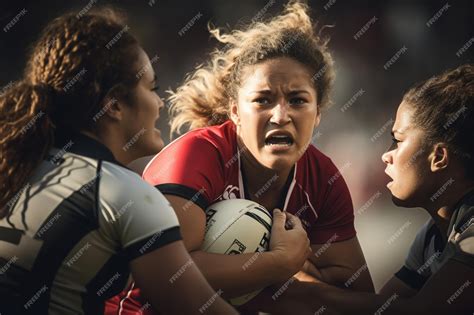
[74, 65]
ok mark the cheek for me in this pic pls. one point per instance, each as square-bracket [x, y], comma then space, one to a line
[252, 126]
[147, 112]
[305, 124]
[411, 176]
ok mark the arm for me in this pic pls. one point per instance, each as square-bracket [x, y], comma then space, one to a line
[337, 256]
[395, 285]
[188, 294]
[447, 292]
[232, 273]
[350, 272]
[341, 264]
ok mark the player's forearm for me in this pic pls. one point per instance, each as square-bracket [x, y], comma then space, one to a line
[347, 302]
[310, 298]
[239, 274]
[357, 279]
[347, 278]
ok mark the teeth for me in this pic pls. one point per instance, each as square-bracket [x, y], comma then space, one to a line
[285, 144]
[281, 140]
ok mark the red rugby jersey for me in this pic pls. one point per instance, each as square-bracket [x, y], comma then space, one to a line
[203, 166]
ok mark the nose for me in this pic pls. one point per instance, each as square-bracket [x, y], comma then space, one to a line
[280, 114]
[161, 104]
[387, 157]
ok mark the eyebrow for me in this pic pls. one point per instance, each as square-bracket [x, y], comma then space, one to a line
[261, 91]
[291, 92]
[298, 92]
[395, 131]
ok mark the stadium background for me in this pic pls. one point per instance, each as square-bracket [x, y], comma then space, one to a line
[380, 49]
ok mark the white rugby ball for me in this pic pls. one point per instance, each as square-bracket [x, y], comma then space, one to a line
[237, 226]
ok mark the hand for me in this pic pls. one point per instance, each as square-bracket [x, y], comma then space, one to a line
[291, 247]
[309, 273]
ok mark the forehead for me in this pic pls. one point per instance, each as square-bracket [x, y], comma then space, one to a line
[144, 67]
[403, 120]
[283, 71]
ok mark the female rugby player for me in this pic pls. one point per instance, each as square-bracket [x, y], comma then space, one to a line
[273, 81]
[74, 221]
[431, 166]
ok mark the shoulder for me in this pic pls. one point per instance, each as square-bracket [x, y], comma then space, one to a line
[424, 235]
[135, 208]
[219, 137]
[120, 186]
[320, 170]
[204, 146]
[317, 161]
[462, 233]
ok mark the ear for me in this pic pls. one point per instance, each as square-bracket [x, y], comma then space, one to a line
[439, 157]
[234, 112]
[113, 108]
[113, 105]
[317, 119]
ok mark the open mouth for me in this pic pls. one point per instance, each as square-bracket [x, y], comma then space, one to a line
[390, 182]
[279, 139]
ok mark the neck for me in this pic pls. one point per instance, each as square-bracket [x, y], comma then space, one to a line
[113, 144]
[442, 208]
[264, 185]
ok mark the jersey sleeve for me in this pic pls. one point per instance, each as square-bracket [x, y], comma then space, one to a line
[336, 220]
[135, 213]
[190, 167]
[464, 240]
[414, 273]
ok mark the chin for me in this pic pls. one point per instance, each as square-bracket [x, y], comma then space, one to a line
[159, 145]
[153, 147]
[405, 202]
[278, 163]
[399, 202]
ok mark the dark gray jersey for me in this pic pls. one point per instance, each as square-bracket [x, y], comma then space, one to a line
[75, 227]
[431, 250]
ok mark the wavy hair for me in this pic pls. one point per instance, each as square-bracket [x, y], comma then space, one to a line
[203, 99]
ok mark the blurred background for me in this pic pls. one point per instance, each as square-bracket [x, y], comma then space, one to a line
[380, 48]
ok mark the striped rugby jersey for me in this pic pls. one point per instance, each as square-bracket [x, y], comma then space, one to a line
[74, 228]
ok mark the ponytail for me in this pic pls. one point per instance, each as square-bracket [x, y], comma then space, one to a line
[26, 135]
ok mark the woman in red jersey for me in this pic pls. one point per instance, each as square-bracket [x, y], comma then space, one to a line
[252, 110]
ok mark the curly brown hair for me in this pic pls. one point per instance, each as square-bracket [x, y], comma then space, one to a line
[444, 108]
[204, 97]
[74, 65]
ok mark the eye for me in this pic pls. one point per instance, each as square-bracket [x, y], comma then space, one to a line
[156, 88]
[394, 144]
[297, 101]
[262, 100]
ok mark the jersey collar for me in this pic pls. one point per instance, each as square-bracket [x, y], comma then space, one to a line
[79, 143]
[462, 213]
[289, 185]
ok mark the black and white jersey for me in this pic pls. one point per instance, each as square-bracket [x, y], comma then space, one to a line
[431, 250]
[75, 226]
